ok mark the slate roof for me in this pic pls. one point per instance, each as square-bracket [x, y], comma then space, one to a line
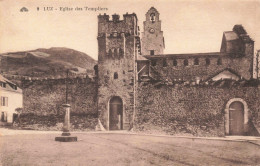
[230, 35]
[141, 58]
[226, 69]
[10, 86]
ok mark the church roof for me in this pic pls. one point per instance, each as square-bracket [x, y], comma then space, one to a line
[226, 73]
[141, 58]
[230, 35]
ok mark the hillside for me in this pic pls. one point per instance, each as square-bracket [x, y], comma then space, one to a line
[42, 62]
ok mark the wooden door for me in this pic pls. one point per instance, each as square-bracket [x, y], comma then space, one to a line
[236, 118]
[116, 114]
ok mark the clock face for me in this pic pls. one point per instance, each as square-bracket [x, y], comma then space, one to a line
[151, 30]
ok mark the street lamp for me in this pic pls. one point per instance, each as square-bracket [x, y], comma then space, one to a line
[66, 136]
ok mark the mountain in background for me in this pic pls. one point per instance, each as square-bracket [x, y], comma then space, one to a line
[52, 62]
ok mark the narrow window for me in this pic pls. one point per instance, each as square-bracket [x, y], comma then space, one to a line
[110, 53]
[185, 62]
[175, 63]
[219, 61]
[196, 61]
[4, 101]
[151, 52]
[121, 52]
[164, 63]
[153, 62]
[207, 61]
[115, 53]
[115, 75]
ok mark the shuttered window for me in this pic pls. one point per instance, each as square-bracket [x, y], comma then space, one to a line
[4, 101]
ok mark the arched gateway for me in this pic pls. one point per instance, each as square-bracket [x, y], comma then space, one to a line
[115, 113]
[236, 117]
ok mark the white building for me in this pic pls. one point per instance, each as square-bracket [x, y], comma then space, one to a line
[11, 98]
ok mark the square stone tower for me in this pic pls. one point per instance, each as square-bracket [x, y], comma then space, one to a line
[117, 52]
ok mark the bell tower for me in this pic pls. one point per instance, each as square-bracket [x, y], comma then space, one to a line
[152, 37]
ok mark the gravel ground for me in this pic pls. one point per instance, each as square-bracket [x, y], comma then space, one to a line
[123, 149]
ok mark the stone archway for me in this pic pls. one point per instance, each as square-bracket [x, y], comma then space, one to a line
[115, 113]
[233, 110]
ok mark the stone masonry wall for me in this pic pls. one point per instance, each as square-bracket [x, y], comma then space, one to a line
[115, 67]
[241, 66]
[47, 96]
[194, 110]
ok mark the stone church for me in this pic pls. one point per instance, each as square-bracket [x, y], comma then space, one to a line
[138, 84]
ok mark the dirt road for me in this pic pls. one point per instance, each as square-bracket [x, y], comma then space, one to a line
[124, 149]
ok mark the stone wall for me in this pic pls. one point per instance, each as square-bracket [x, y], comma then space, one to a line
[203, 66]
[191, 110]
[79, 121]
[167, 70]
[47, 96]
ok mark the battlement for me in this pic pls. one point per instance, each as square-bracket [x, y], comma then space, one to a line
[29, 78]
[57, 81]
[115, 17]
[103, 17]
[112, 26]
[223, 83]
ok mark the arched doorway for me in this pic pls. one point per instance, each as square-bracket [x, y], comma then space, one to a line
[115, 113]
[236, 117]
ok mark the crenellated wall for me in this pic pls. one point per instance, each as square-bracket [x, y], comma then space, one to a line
[127, 25]
[174, 67]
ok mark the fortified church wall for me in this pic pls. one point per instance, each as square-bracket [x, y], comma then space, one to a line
[203, 94]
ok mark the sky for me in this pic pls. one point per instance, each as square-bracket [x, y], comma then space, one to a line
[189, 26]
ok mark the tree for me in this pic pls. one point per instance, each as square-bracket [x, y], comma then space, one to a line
[18, 112]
